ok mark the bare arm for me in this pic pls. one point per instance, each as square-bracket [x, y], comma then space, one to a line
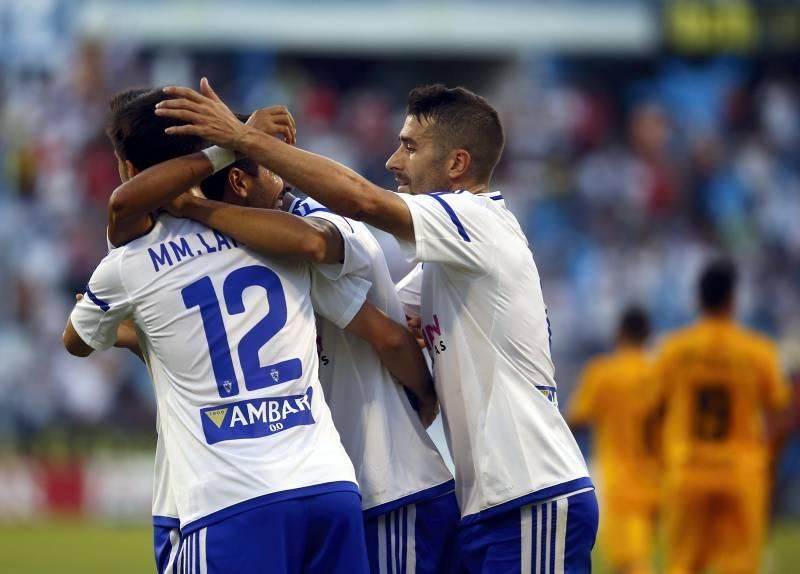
[400, 354]
[132, 202]
[73, 342]
[339, 188]
[269, 232]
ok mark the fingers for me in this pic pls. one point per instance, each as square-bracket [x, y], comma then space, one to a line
[185, 130]
[179, 114]
[208, 91]
[187, 93]
[180, 103]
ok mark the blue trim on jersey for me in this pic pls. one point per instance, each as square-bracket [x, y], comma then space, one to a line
[413, 498]
[166, 521]
[556, 490]
[497, 198]
[313, 490]
[453, 217]
[295, 210]
[96, 300]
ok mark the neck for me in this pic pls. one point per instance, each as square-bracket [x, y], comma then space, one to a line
[721, 315]
[625, 345]
[471, 187]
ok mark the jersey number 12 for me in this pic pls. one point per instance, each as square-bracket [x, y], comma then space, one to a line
[201, 294]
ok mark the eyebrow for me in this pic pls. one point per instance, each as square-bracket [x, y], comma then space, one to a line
[407, 140]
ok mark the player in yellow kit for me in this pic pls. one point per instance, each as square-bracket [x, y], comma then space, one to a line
[618, 398]
[718, 381]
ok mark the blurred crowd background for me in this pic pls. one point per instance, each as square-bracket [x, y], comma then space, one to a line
[628, 166]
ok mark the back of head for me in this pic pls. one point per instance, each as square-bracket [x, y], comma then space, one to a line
[462, 120]
[717, 286]
[634, 326]
[137, 133]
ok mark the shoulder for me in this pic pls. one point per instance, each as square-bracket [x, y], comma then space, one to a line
[758, 343]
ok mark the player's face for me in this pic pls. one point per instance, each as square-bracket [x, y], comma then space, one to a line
[419, 163]
[266, 190]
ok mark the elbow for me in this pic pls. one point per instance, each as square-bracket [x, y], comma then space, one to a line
[315, 248]
[116, 205]
[75, 346]
[391, 341]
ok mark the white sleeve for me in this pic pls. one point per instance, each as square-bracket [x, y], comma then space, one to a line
[409, 290]
[104, 305]
[450, 228]
[338, 301]
[356, 254]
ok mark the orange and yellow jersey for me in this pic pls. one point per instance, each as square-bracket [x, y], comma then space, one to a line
[617, 397]
[718, 380]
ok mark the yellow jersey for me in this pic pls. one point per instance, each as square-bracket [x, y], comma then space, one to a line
[617, 396]
[717, 381]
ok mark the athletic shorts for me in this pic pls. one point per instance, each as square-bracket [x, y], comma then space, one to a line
[417, 538]
[550, 537]
[166, 540]
[321, 534]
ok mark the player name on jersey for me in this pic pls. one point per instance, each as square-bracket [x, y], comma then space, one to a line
[174, 251]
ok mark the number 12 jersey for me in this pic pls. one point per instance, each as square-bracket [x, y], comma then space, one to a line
[229, 339]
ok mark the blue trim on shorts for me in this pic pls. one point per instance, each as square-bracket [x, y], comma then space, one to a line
[453, 217]
[166, 521]
[413, 498]
[568, 487]
[283, 495]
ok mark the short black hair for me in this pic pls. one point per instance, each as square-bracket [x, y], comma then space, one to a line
[213, 186]
[634, 325]
[137, 133]
[464, 120]
[717, 285]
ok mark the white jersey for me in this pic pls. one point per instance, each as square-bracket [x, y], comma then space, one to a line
[486, 329]
[164, 509]
[396, 461]
[229, 341]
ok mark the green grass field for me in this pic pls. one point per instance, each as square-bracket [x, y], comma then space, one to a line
[89, 548]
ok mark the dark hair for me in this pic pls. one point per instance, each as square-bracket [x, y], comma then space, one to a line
[717, 285]
[463, 120]
[634, 325]
[213, 186]
[137, 133]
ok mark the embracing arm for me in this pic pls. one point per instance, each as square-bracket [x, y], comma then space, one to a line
[267, 231]
[132, 202]
[398, 351]
[337, 187]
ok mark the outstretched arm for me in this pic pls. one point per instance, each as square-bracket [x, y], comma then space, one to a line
[132, 202]
[339, 188]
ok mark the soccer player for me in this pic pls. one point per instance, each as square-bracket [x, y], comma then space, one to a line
[260, 479]
[409, 506]
[618, 397]
[718, 381]
[410, 509]
[525, 496]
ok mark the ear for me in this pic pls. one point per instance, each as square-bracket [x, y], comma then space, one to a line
[458, 164]
[130, 168]
[239, 184]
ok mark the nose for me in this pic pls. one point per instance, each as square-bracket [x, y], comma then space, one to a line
[393, 163]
